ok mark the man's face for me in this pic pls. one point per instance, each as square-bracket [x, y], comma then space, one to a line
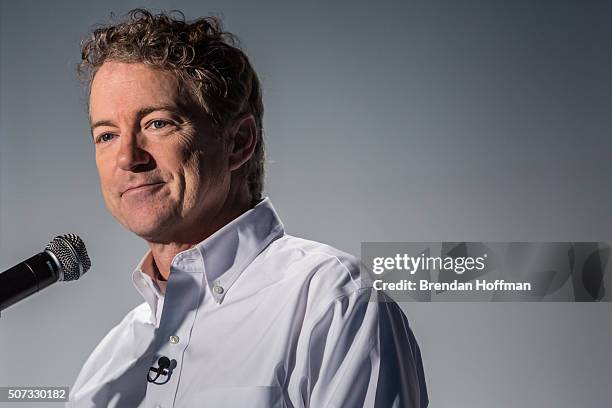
[162, 170]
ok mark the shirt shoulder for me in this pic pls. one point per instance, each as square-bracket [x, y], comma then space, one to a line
[324, 271]
[139, 315]
[351, 336]
[111, 352]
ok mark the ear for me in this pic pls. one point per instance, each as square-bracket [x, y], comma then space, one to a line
[243, 139]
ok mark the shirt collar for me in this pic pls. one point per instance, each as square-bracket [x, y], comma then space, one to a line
[147, 288]
[225, 254]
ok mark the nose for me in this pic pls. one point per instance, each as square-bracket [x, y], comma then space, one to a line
[132, 156]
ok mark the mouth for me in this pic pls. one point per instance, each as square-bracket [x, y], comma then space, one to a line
[141, 188]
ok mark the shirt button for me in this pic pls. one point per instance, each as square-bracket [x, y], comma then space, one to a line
[218, 290]
[174, 339]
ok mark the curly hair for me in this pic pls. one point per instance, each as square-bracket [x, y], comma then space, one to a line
[203, 57]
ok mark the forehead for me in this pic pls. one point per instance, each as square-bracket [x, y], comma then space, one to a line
[120, 87]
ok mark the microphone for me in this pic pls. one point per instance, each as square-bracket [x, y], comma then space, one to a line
[64, 259]
[163, 363]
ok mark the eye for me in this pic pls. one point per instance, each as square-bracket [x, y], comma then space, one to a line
[105, 137]
[159, 124]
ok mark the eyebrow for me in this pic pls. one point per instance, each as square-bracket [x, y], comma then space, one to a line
[141, 112]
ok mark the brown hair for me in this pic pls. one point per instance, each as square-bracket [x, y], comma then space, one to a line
[203, 57]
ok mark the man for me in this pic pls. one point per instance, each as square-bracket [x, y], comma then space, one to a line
[237, 313]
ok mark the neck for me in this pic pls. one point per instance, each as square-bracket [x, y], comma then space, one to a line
[164, 252]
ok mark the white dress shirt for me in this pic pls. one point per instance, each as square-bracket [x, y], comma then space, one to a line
[252, 317]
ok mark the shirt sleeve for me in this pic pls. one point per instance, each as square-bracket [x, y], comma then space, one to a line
[362, 353]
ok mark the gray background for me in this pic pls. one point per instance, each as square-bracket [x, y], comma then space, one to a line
[387, 121]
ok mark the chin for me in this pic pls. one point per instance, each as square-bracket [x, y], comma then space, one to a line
[150, 230]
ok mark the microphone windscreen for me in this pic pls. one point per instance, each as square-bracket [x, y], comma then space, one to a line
[70, 251]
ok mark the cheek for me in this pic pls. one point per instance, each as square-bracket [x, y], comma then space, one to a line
[105, 175]
[195, 176]
[203, 173]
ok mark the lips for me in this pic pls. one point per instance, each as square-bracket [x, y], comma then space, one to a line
[140, 187]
